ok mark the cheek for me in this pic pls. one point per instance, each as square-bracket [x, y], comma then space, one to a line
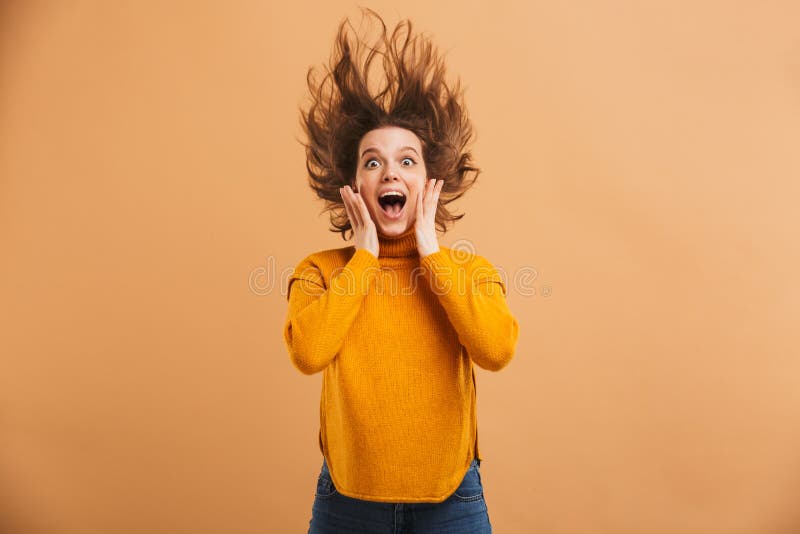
[361, 182]
[366, 194]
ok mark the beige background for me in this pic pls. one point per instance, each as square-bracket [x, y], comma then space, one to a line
[640, 176]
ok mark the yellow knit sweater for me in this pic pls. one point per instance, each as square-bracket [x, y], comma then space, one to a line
[396, 337]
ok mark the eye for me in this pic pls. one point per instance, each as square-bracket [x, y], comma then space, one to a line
[409, 159]
[370, 161]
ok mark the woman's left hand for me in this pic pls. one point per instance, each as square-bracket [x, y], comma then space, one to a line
[425, 223]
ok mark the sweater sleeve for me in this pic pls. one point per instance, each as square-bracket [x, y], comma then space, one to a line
[474, 297]
[318, 316]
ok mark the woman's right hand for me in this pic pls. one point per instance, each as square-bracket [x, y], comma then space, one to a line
[365, 234]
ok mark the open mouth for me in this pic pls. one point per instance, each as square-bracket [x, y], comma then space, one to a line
[392, 203]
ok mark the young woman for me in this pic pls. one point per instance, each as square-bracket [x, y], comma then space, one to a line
[395, 321]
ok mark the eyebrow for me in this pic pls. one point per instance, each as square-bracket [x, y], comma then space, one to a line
[373, 149]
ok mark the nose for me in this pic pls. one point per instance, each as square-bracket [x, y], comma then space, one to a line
[390, 173]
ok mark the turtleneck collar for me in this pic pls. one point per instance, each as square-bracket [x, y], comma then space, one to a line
[399, 246]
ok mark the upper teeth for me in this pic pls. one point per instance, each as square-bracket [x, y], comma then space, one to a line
[398, 193]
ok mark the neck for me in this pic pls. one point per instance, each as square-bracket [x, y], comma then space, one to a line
[400, 246]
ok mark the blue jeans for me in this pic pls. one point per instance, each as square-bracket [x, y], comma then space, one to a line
[463, 512]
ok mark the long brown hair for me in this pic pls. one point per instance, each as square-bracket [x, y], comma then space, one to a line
[415, 96]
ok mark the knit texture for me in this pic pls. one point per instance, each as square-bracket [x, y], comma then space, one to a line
[396, 336]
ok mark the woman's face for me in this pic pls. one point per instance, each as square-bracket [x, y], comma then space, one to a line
[390, 159]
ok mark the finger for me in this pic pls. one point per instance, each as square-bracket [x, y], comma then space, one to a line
[437, 191]
[348, 208]
[419, 207]
[362, 206]
[344, 201]
[429, 194]
[354, 211]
